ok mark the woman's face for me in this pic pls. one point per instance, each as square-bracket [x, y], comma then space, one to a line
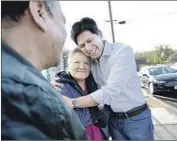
[79, 66]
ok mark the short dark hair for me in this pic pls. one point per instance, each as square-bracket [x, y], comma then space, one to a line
[84, 24]
[14, 10]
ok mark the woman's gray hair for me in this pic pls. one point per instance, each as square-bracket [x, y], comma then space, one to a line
[75, 50]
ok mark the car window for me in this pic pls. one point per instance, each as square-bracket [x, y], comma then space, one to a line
[161, 70]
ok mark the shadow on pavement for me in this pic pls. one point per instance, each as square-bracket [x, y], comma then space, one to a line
[169, 95]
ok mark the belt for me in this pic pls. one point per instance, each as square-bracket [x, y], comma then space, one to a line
[124, 115]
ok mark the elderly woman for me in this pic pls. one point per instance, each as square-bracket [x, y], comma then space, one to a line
[79, 82]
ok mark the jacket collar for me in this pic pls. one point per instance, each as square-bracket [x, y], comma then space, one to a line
[16, 55]
[65, 78]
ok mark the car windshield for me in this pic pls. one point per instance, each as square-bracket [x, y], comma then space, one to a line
[161, 70]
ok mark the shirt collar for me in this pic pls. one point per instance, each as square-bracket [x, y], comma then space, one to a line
[107, 49]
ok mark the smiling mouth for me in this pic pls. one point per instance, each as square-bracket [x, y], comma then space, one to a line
[92, 53]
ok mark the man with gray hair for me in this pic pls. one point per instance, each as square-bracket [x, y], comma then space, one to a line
[33, 34]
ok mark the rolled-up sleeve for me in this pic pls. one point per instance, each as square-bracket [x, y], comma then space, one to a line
[120, 73]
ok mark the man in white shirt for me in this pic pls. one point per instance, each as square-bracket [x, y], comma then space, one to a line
[114, 70]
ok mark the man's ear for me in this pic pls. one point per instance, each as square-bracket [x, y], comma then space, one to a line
[100, 34]
[38, 13]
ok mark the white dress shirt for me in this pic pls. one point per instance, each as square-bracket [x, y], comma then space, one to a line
[117, 77]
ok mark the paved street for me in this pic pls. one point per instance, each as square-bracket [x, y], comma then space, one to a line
[164, 117]
[170, 99]
[172, 103]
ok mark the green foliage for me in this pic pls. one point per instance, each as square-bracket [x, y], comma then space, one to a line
[160, 55]
[65, 58]
[173, 57]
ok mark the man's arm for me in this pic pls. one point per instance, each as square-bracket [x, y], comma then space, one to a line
[81, 102]
[45, 113]
[67, 124]
[120, 74]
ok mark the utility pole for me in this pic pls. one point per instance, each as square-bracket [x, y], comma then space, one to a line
[111, 21]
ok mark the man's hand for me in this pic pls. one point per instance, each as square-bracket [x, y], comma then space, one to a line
[101, 107]
[56, 85]
[68, 101]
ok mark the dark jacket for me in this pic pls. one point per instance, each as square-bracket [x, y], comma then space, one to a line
[31, 107]
[73, 90]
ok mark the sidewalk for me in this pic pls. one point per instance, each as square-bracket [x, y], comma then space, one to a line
[164, 119]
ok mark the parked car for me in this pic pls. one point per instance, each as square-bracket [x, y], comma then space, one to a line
[159, 79]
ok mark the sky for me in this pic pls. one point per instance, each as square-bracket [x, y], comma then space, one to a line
[148, 23]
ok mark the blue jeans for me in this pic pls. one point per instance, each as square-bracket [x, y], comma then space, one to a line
[139, 127]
